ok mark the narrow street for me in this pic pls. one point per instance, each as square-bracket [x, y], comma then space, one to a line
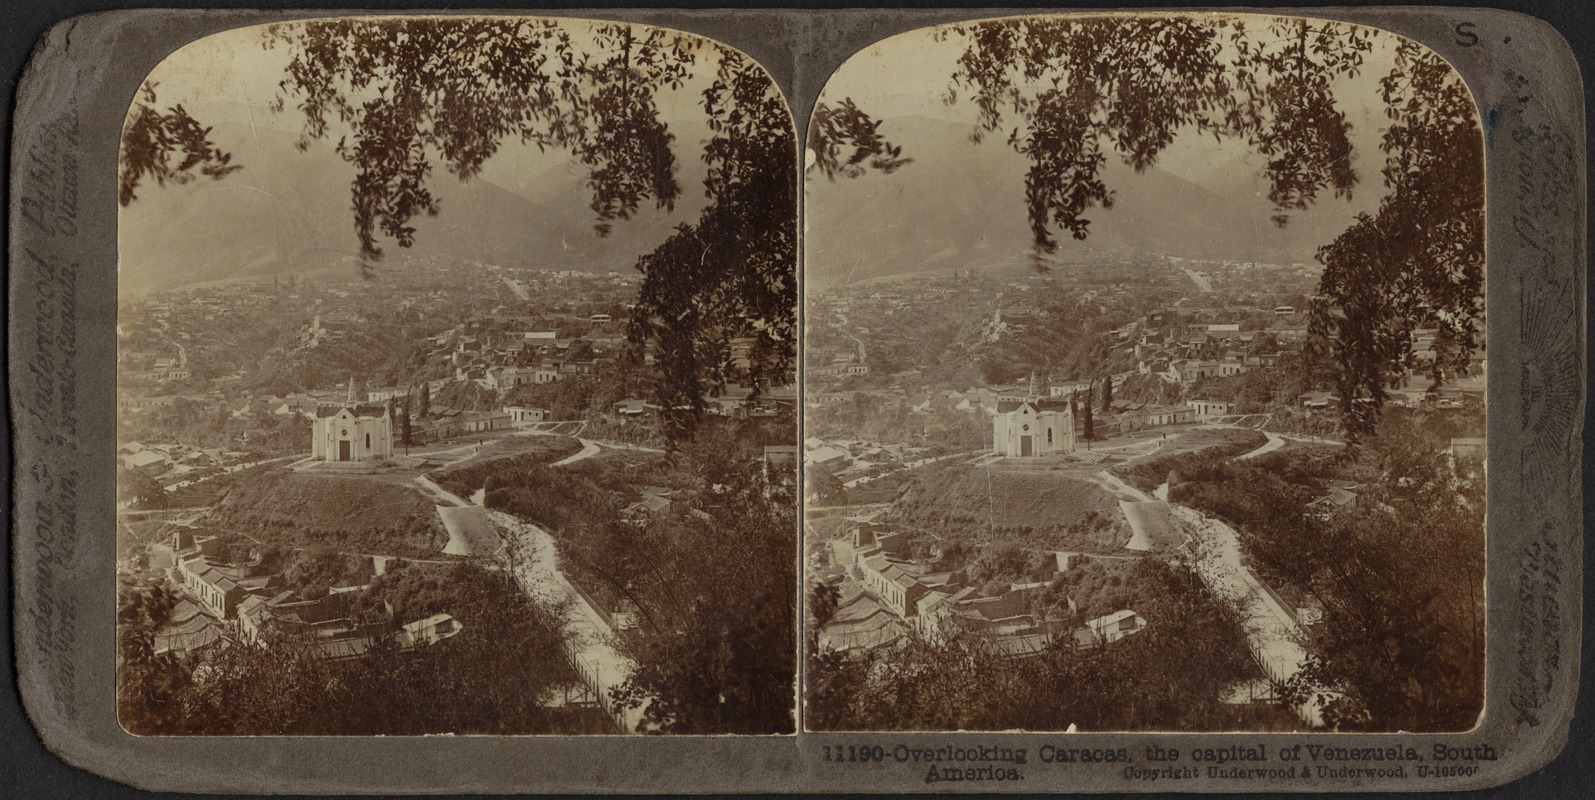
[1271, 631]
[533, 555]
[591, 647]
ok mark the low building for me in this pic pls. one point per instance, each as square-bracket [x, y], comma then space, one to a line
[861, 622]
[483, 421]
[216, 587]
[1317, 401]
[1169, 415]
[501, 378]
[148, 462]
[525, 415]
[427, 631]
[1111, 628]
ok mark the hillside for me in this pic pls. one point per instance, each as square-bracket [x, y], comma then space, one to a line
[959, 205]
[1041, 509]
[1185, 451]
[288, 211]
[347, 514]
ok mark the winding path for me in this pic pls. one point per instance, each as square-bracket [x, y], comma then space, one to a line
[589, 449]
[533, 556]
[1275, 441]
[591, 648]
[1271, 630]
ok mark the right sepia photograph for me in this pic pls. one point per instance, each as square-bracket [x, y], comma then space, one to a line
[1144, 380]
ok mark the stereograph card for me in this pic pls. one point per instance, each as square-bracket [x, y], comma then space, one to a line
[782, 401]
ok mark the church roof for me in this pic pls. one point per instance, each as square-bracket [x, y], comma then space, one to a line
[1007, 404]
[359, 410]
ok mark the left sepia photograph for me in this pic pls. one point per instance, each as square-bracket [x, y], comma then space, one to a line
[455, 384]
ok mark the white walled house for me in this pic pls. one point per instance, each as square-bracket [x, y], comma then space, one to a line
[525, 415]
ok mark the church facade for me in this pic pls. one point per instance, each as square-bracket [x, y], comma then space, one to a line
[352, 433]
[1032, 426]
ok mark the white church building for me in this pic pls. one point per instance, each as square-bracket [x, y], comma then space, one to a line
[1032, 426]
[352, 432]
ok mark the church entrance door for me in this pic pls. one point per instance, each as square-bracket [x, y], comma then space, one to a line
[1027, 446]
[343, 450]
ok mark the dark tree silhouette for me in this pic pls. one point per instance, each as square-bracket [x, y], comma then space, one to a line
[732, 274]
[404, 421]
[1417, 262]
[834, 128]
[142, 490]
[1107, 393]
[148, 686]
[169, 146]
[1130, 84]
[716, 648]
[1069, 92]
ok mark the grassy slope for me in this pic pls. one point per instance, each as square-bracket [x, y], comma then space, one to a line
[502, 456]
[1196, 446]
[1039, 509]
[347, 514]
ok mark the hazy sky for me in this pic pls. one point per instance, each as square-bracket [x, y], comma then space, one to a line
[963, 204]
[909, 74]
[230, 77]
[207, 229]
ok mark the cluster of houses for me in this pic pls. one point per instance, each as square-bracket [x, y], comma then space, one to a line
[150, 368]
[734, 400]
[498, 352]
[888, 593]
[221, 601]
[175, 461]
[835, 363]
[854, 463]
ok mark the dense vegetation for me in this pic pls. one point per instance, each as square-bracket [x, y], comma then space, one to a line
[260, 435]
[1190, 449]
[711, 579]
[1399, 576]
[465, 478]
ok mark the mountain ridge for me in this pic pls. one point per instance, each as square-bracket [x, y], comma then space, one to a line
[961, 205]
